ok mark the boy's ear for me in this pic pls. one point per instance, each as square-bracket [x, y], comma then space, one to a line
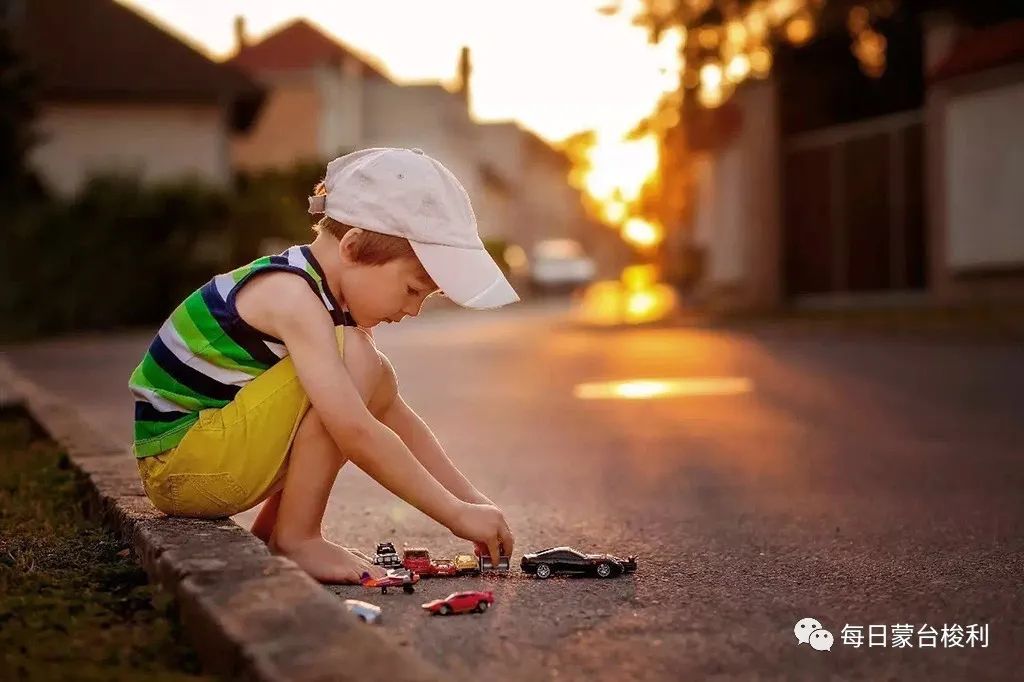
[347, 243]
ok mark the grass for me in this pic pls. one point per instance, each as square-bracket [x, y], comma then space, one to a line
[73, 602]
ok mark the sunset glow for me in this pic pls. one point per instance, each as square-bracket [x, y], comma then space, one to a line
[617, 170]
[556, 67]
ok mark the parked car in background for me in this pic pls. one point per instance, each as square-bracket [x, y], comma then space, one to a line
[560, 265]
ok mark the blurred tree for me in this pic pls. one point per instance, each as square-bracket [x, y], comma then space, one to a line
[270, 207]
[17, 111]
[121, 252]
[850, 59]
[577, 148]
[724, 42]
[118, 253]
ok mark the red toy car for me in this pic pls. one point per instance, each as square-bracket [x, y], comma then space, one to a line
[443, 568]
[418, 560]
[394, 578]
[461, 602]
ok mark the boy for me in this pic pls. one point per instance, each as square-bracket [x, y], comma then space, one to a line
[264, 382]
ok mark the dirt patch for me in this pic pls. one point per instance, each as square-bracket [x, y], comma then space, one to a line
[74, 604]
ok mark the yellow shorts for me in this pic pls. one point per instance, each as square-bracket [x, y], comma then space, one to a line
[235, 456]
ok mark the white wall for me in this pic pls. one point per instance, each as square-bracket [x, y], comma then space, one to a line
[550, 206]
[736, 209]
[315, 113]
[502, 145]
[341, 107]
[155, 142]
[720, 220]
[984, 182]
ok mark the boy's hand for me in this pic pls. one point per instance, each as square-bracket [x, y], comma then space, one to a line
[485, 526]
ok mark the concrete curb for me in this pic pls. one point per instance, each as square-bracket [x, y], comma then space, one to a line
[249, 614]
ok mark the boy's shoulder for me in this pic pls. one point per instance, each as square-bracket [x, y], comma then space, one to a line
[266, 301]
[278, 298]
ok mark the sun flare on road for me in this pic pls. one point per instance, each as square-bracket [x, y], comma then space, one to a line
[647, 389]
[635, 298]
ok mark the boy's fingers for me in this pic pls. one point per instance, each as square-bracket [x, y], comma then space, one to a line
[507, 541]
[492, 545]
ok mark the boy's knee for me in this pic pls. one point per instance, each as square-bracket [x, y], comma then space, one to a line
[386, 391]
[364, 364]
[311, 426]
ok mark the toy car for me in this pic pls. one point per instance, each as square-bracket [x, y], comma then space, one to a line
[568, 561]
[368, 613]
[387, 556]
[461, 602]
[466, 563]
[445, 568]
[401, 578]
[484, 561]
[418, 560]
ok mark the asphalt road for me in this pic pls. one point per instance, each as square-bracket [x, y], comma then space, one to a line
[859, 481]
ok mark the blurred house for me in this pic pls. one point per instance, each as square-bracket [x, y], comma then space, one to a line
[525, 180]
[974, 123]
[119, 94]
[324, 100]
[823, 186]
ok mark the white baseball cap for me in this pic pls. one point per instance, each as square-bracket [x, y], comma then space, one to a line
[405, 193]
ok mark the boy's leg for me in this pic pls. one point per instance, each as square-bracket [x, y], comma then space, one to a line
[263, 526]
[314, 462]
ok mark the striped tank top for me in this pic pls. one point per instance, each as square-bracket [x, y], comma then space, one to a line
[205, 352]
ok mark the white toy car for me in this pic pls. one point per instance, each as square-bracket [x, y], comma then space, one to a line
[368, 613]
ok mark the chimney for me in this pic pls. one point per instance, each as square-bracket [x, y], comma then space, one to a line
[241, 41]
[465, 70]
[941, 32]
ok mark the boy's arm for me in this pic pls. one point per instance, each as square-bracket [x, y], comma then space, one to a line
[400, 418]
[396, 414]
[302, 323]
[282, 305]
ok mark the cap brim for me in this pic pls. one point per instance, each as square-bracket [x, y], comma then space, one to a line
[469, 277]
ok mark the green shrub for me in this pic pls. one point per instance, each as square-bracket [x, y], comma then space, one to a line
[118, 253]
[122, 253]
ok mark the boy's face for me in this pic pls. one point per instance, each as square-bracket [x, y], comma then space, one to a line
[384, 293]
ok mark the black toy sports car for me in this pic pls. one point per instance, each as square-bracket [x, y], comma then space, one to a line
[568, 561]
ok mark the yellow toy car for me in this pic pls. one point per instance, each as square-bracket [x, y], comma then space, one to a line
[466, 563]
